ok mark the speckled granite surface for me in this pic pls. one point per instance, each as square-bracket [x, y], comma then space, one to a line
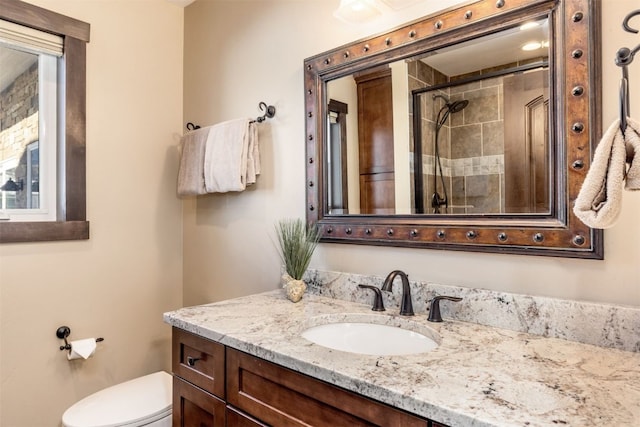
[603, 325]
[478, 376]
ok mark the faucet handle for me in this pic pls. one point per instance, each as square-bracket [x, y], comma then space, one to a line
[378, 304]
[434, 307]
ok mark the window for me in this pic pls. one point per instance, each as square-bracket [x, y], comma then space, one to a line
[7, 174]
[337, 157]
[28, 137]
[45, 198]
[33, 176]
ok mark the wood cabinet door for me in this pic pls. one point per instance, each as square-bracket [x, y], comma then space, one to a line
[526, 143]
[193, 407]
[375, 142]
[281, 397]
[377, 194]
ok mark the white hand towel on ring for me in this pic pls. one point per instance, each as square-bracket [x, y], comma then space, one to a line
[599, 201]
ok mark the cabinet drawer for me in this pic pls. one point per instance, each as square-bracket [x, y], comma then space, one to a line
[281, 397]
[238, 419]
[199, 361]
[195, 407]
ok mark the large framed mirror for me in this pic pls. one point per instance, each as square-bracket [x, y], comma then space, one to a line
[471, 129]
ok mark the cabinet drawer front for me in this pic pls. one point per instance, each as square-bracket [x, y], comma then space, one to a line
[199, 361]
[238, 419]
[195, 407]
[282, 397]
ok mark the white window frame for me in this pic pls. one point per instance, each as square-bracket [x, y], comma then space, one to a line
[30, 148]
[47, 133]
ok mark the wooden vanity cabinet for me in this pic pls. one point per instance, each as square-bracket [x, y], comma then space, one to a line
[193, 406]
[199, 361]
[281, 397]
[234, 389]
[236, 418]
[198, 382]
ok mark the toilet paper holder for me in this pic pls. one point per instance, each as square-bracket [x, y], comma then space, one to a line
[63, 333]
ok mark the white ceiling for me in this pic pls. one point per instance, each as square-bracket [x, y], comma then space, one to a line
[501, 48]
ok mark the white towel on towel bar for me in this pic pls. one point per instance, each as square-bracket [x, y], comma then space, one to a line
[190, 174]
[253, 154]
[600, 199]
[227, 163]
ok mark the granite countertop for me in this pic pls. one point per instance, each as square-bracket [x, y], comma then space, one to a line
[478, 376]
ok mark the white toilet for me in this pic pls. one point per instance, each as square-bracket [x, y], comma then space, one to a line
[144, 401]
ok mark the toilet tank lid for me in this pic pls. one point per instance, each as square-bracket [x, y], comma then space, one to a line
[142, 399]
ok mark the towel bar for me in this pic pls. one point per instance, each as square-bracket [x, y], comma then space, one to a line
[269, 113]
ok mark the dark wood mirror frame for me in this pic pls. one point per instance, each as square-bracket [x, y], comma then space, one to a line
[576, 93]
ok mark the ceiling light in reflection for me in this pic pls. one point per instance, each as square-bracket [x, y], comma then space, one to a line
[532, 46]
[529, 25]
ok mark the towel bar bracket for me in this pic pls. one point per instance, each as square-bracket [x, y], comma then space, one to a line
[269, 112]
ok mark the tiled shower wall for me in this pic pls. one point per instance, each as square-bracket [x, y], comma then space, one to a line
[476, 158]
[473, 164]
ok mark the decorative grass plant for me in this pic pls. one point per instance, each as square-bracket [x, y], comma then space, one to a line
[297, 242]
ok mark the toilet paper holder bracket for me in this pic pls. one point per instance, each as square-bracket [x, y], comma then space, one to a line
[63, 333]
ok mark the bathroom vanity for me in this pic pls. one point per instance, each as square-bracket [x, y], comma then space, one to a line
[244, 362]
[272, 394]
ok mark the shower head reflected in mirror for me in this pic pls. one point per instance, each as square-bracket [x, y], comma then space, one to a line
[437, 201]
[448, 108]
[458, 106]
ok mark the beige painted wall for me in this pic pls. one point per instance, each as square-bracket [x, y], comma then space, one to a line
[240, 53]
[118, 283]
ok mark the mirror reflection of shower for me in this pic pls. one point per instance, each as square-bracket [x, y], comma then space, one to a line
[437, 200]
[489, 155]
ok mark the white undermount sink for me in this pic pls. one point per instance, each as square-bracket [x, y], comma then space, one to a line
[363, 337]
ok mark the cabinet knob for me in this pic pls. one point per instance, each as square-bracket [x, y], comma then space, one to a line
[191, 361]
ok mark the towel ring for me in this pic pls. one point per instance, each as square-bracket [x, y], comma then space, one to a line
[624, 57]
[624, 103]
[625, 22]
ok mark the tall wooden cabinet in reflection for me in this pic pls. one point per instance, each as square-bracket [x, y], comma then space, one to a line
[375, 142]
[526, 143]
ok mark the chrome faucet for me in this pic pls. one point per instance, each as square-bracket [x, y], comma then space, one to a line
[406, 306]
